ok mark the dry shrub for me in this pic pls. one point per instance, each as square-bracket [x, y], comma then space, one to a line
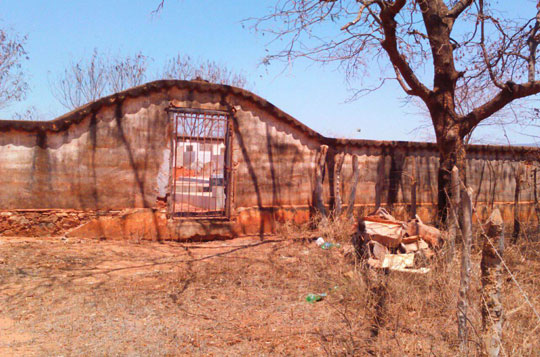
[521, 327]
[337, 229]
[291, 229]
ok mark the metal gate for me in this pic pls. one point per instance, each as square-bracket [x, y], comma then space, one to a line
[199, 167]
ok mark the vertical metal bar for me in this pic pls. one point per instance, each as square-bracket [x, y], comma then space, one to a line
[212, 132]
[184, 140]
[201, 161]
[207, 135]
[189, 170]
[227, 166]
[184, 150]
[193, 182]
[195, 172]
[203, 149]
[175, 147]
[222, 134]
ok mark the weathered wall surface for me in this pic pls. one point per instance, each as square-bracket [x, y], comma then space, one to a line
[114, 154]
[108, 160]
[389, 170]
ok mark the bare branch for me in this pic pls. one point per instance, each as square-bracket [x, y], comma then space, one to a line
[359, 16]
[186, 68]
[532, 42]
[509, 93]
[12, 53]
[88, 80]
[487, 62]
[491, 51]
[459, 7]
[402, 83]
[398, 60]
[159, 7]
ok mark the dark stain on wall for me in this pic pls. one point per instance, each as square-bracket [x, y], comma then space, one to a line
[395, 176]
[124, 141]
[93, 146]
[41, 172]
[380, 180]
[273, 177]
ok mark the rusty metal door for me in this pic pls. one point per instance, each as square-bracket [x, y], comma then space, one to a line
[199, 175]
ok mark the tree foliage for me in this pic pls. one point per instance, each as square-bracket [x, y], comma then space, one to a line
[12, 54]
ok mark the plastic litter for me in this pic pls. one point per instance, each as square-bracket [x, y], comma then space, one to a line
[311, 298]
[319, 241]
[328, 245]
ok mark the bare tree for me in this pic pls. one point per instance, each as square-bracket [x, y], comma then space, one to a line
[81, 82]
[12, 53]
[187, 68]
[123, 73]
[30, 114]
[88, 80]
[489, 61]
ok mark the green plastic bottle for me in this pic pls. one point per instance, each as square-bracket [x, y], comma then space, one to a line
[311, 298]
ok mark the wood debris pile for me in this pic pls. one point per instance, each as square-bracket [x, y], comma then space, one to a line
[397, 245]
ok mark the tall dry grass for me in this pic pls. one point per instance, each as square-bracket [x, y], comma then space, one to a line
[388, 313]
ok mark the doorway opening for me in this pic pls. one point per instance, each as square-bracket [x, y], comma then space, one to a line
[200, 157]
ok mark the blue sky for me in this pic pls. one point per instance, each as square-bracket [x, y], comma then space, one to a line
[61, 31]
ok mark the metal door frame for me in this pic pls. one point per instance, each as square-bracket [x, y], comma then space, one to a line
[174, 114]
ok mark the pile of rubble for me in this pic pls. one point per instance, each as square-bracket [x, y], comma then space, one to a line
[42, 222]
[397, 245]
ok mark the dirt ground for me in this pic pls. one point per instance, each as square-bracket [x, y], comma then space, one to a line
[73, 297]
[238, 297]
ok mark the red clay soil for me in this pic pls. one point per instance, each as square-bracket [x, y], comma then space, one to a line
[238, 297]
[242, 297]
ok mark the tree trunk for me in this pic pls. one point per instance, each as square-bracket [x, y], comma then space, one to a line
[453, 216]
[536, 203]
[338, 200]
[451, 153]
[517, 224]
[414, 183]
[491, 305]
[463, 301]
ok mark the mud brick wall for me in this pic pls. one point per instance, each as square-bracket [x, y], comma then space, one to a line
[108, 158]
[388, 171]
[115, 154]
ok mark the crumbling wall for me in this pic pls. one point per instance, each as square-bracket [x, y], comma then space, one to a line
[114, 155]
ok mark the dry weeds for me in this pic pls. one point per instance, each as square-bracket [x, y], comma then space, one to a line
[240, 297]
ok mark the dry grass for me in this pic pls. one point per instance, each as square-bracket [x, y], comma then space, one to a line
[241, 297]
[337, 230]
